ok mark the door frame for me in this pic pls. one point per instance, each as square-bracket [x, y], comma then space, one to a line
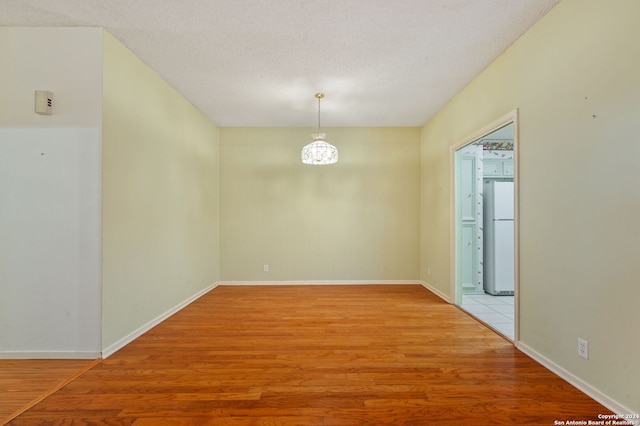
[455, 291]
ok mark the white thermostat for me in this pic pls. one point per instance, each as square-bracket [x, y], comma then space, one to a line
[44, 102]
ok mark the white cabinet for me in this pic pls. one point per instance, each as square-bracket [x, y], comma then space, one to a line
[469, 189]
[469, 257]
[469, 224]
[492, 167]
[507, 167]
[497, 167]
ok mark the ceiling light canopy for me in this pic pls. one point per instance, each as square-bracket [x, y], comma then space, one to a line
[319, 152]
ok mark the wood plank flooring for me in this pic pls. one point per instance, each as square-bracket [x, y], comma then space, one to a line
[316, 355]
[25, 381]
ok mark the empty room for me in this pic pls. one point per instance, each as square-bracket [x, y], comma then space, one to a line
[283, 212]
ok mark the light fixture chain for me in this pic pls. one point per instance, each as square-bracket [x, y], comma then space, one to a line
[318, 97]
[318, 113]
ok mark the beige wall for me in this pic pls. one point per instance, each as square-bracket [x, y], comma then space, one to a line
[354, 220]
[160, 196]
[575, 79]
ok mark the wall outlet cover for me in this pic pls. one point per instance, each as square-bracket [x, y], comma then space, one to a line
[583, 348]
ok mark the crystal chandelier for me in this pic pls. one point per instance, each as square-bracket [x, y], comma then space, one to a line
[319, 151]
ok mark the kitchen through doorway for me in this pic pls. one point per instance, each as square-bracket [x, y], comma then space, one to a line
[485, 231]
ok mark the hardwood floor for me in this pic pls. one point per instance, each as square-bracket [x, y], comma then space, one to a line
[316, 355]
[25, 381]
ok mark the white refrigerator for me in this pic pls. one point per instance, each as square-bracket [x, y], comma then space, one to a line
[499, 241]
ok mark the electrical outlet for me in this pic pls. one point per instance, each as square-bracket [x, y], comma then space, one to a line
[265, 268]
[583, 348]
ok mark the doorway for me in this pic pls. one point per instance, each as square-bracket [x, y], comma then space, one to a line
[484, 233]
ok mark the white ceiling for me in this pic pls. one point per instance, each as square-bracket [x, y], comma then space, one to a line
[258, 63]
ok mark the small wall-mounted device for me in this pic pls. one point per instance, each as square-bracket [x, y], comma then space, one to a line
[44, 102]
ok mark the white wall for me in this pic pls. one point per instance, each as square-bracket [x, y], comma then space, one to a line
[574, 77]
[50, 198]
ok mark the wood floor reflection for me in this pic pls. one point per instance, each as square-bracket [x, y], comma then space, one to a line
[316, 355]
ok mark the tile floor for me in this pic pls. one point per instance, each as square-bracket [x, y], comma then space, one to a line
[497, 311]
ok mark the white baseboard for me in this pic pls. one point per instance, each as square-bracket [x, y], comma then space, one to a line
[435, 291]
[575, 381]
[49, 355]
[341, 282]
[111, 349]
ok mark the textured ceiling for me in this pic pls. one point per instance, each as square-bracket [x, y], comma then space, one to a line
[258, 63]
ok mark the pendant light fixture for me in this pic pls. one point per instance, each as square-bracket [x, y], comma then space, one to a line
[319, 151]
